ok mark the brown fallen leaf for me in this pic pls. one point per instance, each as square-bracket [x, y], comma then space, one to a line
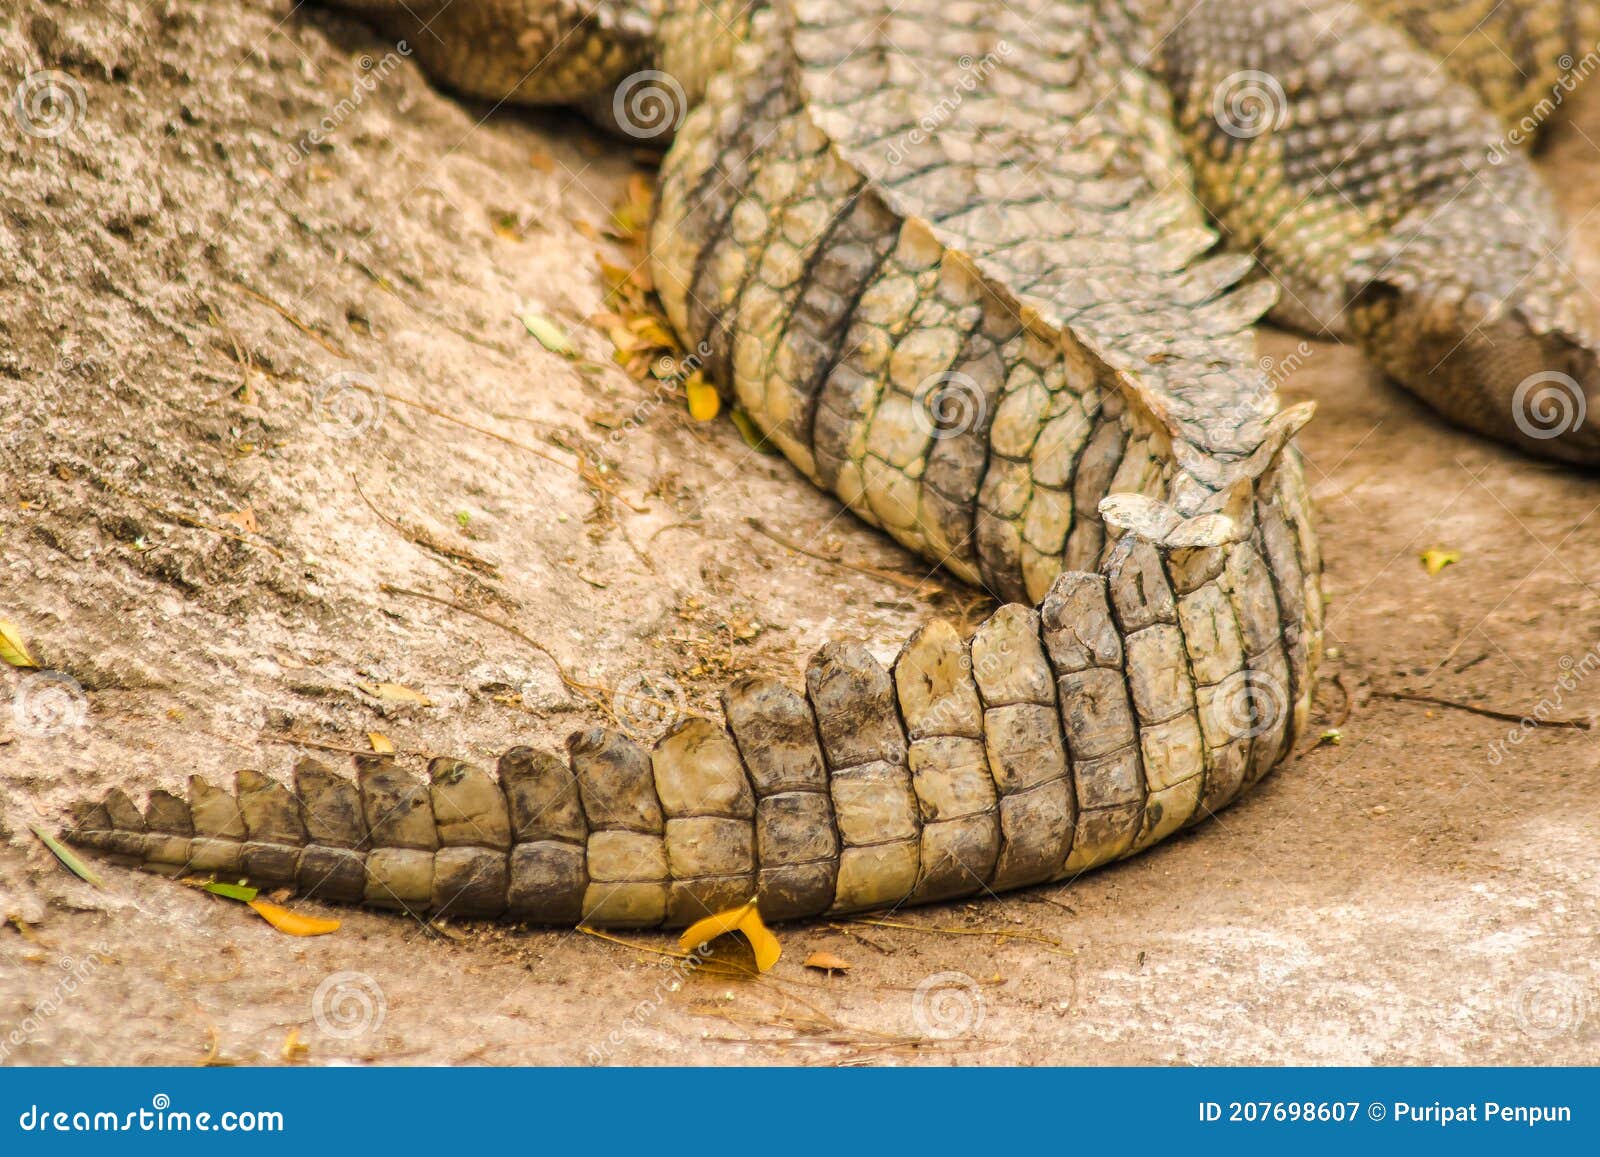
[293, 923]
[395, 693]
[244, 519]
[827, 962]
[381, 743]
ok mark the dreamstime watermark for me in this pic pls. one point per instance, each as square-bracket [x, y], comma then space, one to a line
[643, 1013]
[32, 414]
[372, 74]
[348, 1004]
[75, 973]
[949, 404]
[670, 376]
[160, 1117]
[649, 104]
[1261, 396]
[49, 104]
[349, 404]
[1522, 132]
[1249, 703]
[947, 1005]
[48, 703]
[1548, 1005]
[974, 71]
[1249, 103]
[1278, 370]
[646, 703]
[1548, 404]
[1573, 674]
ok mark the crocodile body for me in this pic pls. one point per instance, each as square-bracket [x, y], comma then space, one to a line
[960, 263]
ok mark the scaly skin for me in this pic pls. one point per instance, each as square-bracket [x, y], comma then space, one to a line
[1391, 205]
[977, 303]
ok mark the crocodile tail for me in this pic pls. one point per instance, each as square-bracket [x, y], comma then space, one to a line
[1132, 701]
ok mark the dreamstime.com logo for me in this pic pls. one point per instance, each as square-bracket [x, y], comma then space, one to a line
[1574, 672]
[1550, 1005]
[1549, 404]
[649, 104]
[645, 1012]
[1250, 703]
[372, 74]
[48, 703]
[1250, 103]
[160, 1117]
[670, 375]
[1524, 130]
[646, 703]
[75, 974]
[349, 404]
[947, 1005]
[48, 104]
[348, 1004]
[948, 404]
[974, 71]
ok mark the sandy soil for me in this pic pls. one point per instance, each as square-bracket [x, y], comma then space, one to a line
[255, 218]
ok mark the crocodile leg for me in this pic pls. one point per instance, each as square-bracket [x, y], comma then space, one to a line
[1521, 59]
[1391, 205]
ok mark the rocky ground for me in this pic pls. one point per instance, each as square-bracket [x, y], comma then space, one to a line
[263, 383]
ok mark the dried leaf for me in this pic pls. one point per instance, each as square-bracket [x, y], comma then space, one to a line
[1435, 561]
[826, 962]
[381, 743]
[293, 1052]
[704, 401]
[241, 892]
[746, 918]
[12, 649]
[631, 220]
[244, 519]
[550, 335]
[653, 330]
[395, 693]
[71, 862]
[293, 923]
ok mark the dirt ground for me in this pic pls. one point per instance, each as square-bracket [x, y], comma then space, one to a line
[255, 219]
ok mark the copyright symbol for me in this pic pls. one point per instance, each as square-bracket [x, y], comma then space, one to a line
[1375, 1111]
